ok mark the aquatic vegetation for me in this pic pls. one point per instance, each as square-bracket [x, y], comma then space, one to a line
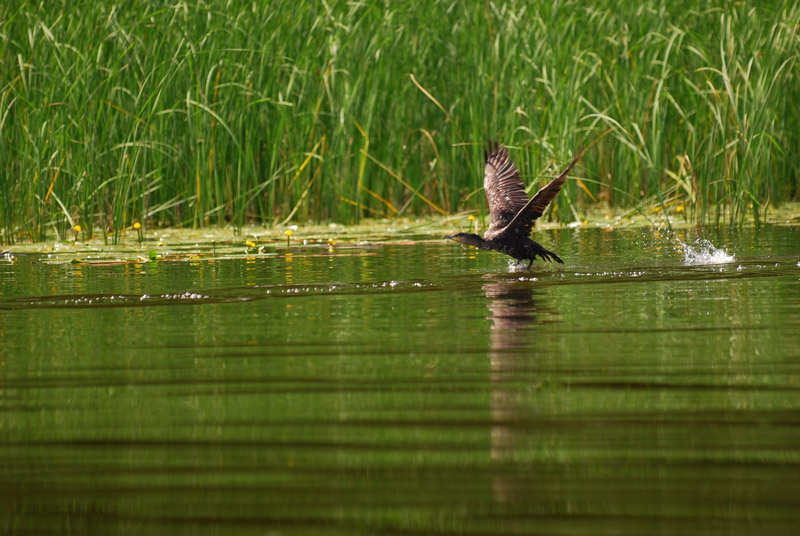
[282, 112]
[139, 234]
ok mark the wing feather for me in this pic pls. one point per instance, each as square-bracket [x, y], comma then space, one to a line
[505, 192]
[522, 222]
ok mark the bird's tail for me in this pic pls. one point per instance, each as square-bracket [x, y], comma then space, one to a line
[549, 256]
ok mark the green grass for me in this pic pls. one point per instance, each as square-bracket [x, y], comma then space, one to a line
[201, 113]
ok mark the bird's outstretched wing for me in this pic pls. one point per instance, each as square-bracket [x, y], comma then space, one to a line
[522, 222]
[505, 192]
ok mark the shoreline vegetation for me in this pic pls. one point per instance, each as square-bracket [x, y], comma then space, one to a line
[277, 113]
[213, 242]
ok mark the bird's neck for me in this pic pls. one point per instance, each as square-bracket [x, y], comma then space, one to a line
[476, 241]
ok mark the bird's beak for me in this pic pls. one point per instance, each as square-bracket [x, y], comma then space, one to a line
[451, 237]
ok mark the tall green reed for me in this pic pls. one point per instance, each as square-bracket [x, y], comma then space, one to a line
[277, 112]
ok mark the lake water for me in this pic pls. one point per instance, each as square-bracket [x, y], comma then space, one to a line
[408, 388]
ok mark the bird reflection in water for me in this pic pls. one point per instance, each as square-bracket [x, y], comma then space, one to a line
[515, 308]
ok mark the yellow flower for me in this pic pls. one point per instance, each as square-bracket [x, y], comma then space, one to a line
[471, 217]
[137, 225]
[331, 241]
[250, 244]
[77, 228]
[288, 232]
[679, 208]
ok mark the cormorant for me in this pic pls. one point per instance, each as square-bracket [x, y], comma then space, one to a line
[511, 212]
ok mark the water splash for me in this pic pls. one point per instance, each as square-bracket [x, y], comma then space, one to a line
[517, 266]
[704, 252]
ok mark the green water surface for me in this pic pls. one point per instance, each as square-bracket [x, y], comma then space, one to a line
[407, 388]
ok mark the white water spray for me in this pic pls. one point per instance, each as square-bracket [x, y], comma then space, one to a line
[704, 252]
[517, 266]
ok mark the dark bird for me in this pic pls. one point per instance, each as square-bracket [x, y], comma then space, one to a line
[511, 212]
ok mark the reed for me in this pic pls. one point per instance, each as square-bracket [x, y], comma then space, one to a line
[207, 113]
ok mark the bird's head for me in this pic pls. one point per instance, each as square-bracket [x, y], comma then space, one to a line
[468, 238]
[456, 237]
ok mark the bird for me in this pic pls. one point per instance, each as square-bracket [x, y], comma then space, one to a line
[511, 212]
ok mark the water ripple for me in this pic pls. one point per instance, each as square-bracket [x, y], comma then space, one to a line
[243, 294]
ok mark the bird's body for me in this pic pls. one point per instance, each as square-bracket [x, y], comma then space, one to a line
[511, 213]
